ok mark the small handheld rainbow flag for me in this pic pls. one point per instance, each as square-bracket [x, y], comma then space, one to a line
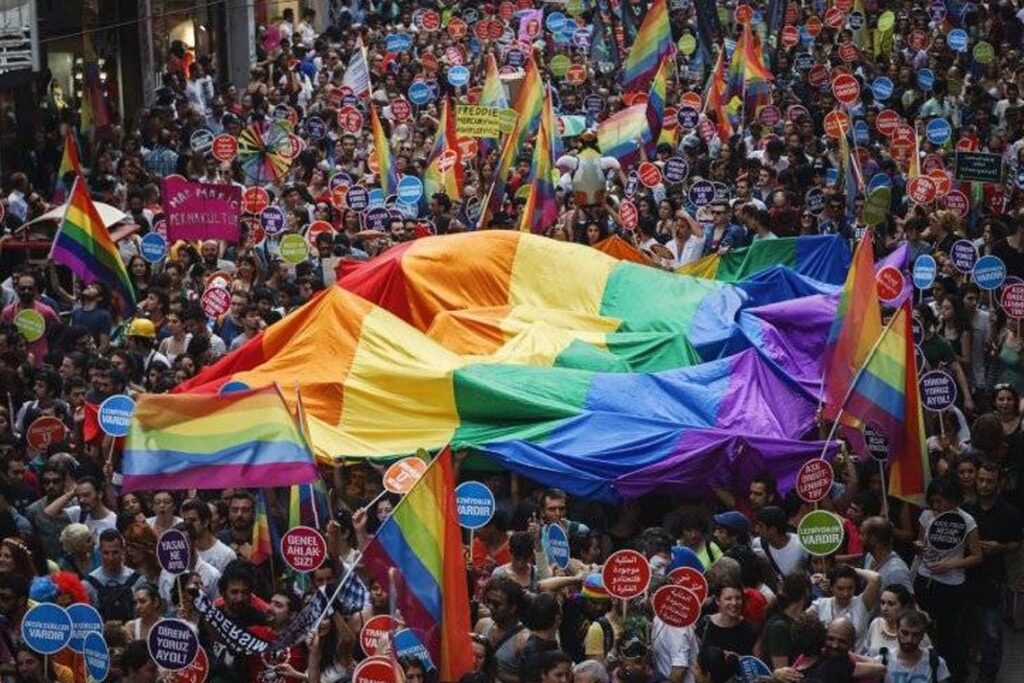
[715, 98]
[69, 163]
[262, 545]
[84, 245]
[653, 43]
[387, 172]
[444, 172]
[541, 210]
[529, 103]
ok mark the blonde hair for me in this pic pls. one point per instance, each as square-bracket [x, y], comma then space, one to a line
[73, 536]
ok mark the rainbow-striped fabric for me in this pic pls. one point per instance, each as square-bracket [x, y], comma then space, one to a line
[215, 442]
[444, 172]
[715, 98]
[387, 171]
[653, 43]
[262, 544]
[84, 245]
[541, 210]
[422, 539]
[69, 163]
[529, 104]
[618, 134]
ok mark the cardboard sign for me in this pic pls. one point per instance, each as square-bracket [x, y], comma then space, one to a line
[402, 475]
[925, 271]
[820, 532]
[43, 431]
[846, 88]
[649, 174]
[556, 544]
[215, 301]
[224, 148]
[374, 670]
[989, 272]
[375, 632]
[889, 282]
[963, 254]
[814, 480]
[303, 549]
[475, 503]
[690, 579]
[200, 211]
[255, 200]
[1012, 300]
[979, 167]
[676, 605]
[30, 324]
[626, 574]
[46, 628]
[172, 552]
[478, 122]
[115, 415]
[938, 390]
[84, 620]
[172, 644]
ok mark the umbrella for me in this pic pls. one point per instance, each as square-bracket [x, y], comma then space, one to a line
[265, 151]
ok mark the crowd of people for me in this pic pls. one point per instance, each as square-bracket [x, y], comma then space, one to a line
[887, 605]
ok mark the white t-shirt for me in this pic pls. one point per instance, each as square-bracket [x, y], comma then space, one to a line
[897, 672]
[789, 558]
[218, 555]
[878, 638]
[96, 526]
[673, 646]
[827, 612]
[954, 548]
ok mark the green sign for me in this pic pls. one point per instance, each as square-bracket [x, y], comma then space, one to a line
[687, 44]
[820, 532]
[293, 249]
[574, 7]
[979, 167]
[886, 20]
[984, 52]
[31, 325]
[560, 65]
[876, 207]
[507, 120]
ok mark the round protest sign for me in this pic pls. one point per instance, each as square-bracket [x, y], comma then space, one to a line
[626, 574]
[350, 119]
[172, 552]
[458, 75]
[46, 628]
[947, 531]
[877, 444]
[115, 415]
[957, 40]
[820, 532]
[1012, 300]
[938, 390]
[172, 644]
[30, 324]
[357, 198]
[963, 254]
[938, 131]
[702, 193]
[753, 669]
[837, 123]
[814, 480]
[84, 620]
[410, 189]
[293, 249]
[303, 549]
[675, 605]
[318, 228]
[402, 475]
[420, 93]
[153, 247]
[790, 36]
[43, 431]
[676, 170]
[846, 89]
[196, 672]
[628, 214]
[989, 272]
[691, 579]
[925, 271]
[375, 632]
[215, 301]
[97, 656]
[649, 174]
[921, 190]
[201, 141]
[272, 220]
[887, 121]
[882, 88]
[889, 282]
[374, 670]
[475, 503]
[225, 148]
[255, 200]
[556, 544]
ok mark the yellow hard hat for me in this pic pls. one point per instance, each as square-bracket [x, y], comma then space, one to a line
[141, 327]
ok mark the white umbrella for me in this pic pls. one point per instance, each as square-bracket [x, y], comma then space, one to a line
[111, 215]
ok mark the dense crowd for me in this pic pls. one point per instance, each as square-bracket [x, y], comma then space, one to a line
[886, 605]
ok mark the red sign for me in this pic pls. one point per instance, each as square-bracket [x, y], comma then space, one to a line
[216, 301]
[671, 117]
[835, 17]
[429, 62]
[921, 190]
[256, 232]
[254, 200]
[481, 29]
[837, 122]
[628, 214]
[817, 75]
[338, 200]
[649, 174]
[44, 431]
[468, 146]
[887, 121]
[431, 20]
[196, 672]
[813, 480]
[843, 5]
[401, 109]
[848, 52]
[375, 633]
[400, 477]
[676, 606]
[350, 119]
[453, 55]
[889, 283]
[790, 36]
[957, 201]
[918, 40]
[743, 14]
[690, 99]
[457, 28]
[374, 670]
[626, 574]
[932, 162]
[1012, 300]
[316, 228]
[814, 26]
[792, 13]
[506, 10]
[691, 579]
[303, 548]
[577, 74]
[846, 89]
[943, 182]
[769, 115]
[225, 148]
[967, 144]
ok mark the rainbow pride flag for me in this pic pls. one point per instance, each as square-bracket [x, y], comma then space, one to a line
[496, 194]
[492, 95]
[541, 210]
[855, 329]
[652, 44]
[444, 171]
[529, 103]
[69, 163]
[715, 98]
[423, 541]
[617, 135]
[748, 76]
[262, 545]
[885, 397]
[217, 441]
[84, 245]
[656, 105]
[387, 172]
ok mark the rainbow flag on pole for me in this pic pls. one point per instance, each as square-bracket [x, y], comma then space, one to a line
[855, 329]
[444, 167]
[715, 98]
[529, 103]
[262, 545]
[422, 539]
[69, 163]
[541, 210]
[84, 245]
[387, 173]
[885, 397]
[652, 44]
[214, 442]
[617, 135]
[492, 95]
[656, 105]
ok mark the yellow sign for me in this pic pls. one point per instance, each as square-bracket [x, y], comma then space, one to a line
[478, 122]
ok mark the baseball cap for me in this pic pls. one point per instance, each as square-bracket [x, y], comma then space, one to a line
[732, 520]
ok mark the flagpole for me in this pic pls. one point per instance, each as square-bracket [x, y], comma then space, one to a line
[849, 391]
[337, 591]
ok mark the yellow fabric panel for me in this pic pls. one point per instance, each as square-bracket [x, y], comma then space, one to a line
[706, 267]
[541, 262]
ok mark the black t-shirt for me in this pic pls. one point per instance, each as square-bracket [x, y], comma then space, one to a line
[1001, 523]
[739, 638]
[829, 670]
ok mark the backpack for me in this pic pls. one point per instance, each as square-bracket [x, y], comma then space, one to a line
[933, 662]
[609, 635]
[114, 602]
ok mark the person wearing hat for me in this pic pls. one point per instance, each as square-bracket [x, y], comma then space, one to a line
[606, 625]
[731, 530]
[141, 337]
